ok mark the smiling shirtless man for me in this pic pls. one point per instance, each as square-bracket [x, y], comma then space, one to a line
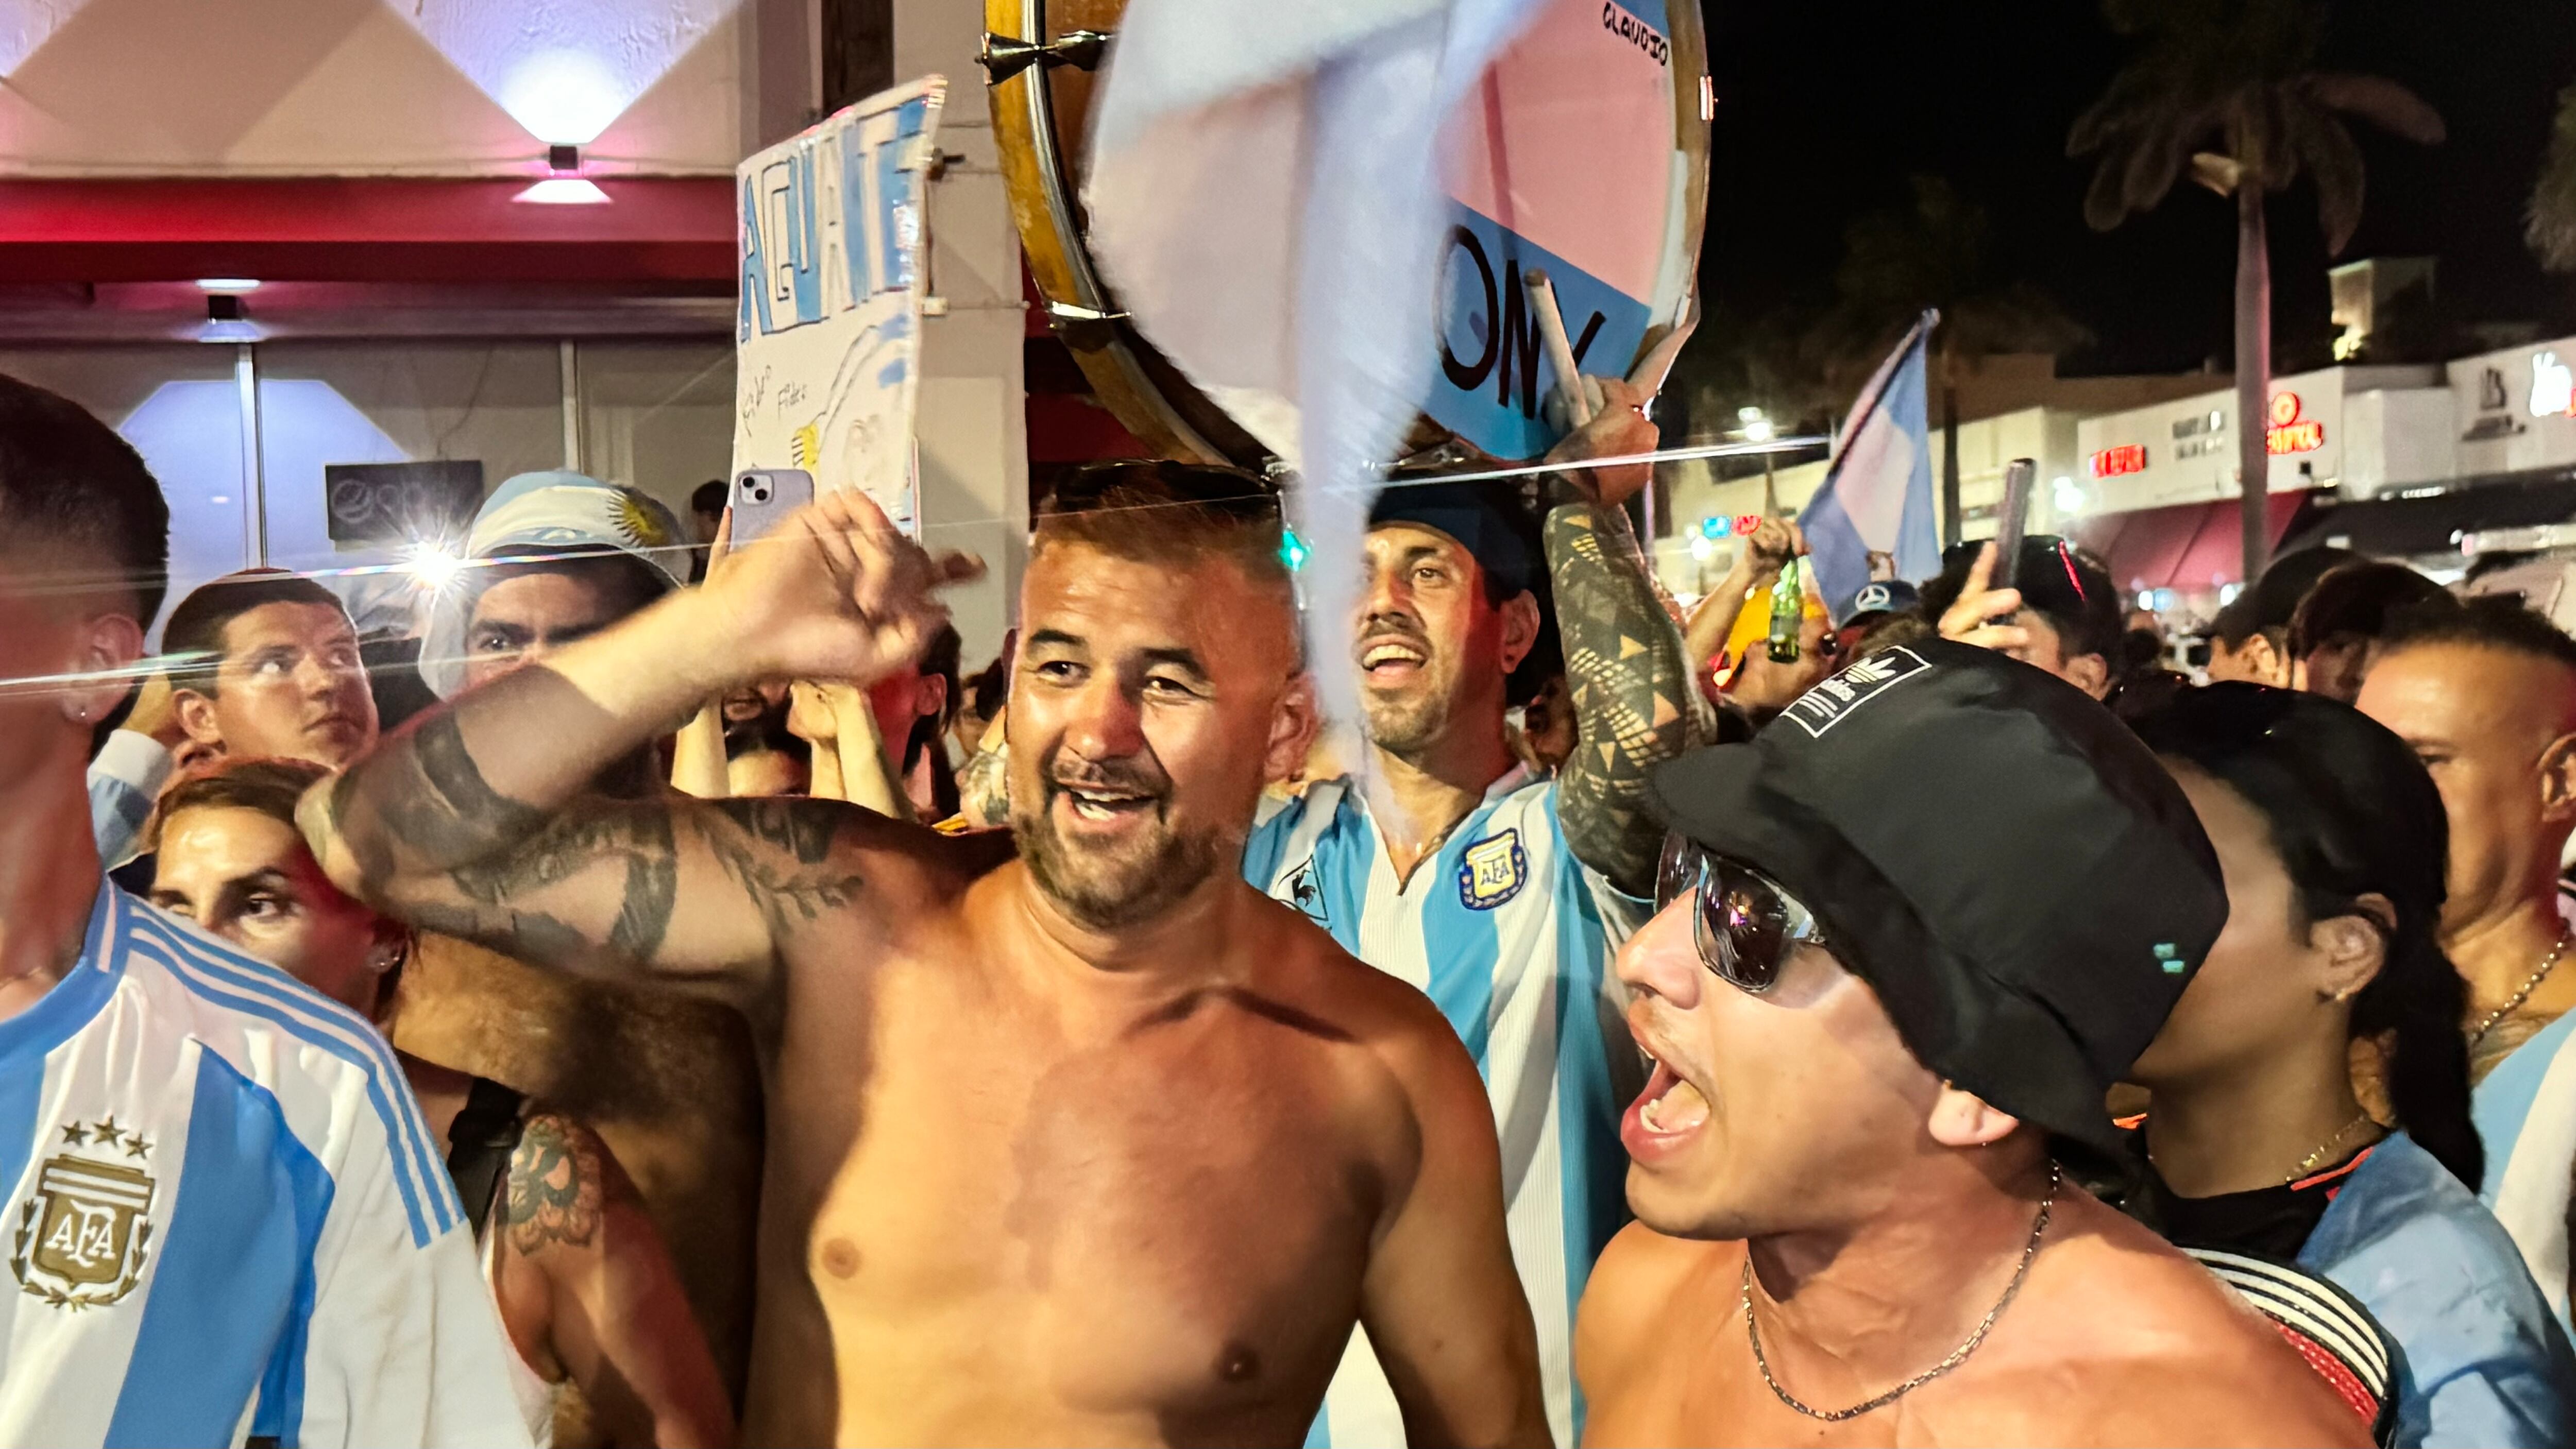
[1095, 1145]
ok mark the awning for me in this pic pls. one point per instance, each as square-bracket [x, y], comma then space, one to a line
[2433, 523]
[2190, 547]
[662, 229]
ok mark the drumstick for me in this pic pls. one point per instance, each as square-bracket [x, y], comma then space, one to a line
[1657, 364]
[1560, 352]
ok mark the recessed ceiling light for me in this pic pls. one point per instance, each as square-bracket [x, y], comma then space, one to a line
[228, 285]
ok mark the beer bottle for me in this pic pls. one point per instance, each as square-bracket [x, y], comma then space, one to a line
[1788, 611]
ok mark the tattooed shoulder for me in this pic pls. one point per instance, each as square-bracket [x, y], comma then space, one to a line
[782, 856]
[559, 1178]
[806, 828]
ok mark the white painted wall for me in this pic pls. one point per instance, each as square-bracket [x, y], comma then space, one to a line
[367, 87]
[973, 423]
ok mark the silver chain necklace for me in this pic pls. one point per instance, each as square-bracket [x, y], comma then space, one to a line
[1957, 1356]
[2497, 1016]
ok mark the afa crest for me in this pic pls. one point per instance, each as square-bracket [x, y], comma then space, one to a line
[83, 1237]
[1493, 871]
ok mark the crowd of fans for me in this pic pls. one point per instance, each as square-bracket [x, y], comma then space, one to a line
[791, 1035]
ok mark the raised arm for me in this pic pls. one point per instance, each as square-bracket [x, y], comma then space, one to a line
[1442, 1303]
[1634, 700]
[1756, 568]
[472, 822]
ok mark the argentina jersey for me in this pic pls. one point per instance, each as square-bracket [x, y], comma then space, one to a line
[226, 1219]
[1511, 937]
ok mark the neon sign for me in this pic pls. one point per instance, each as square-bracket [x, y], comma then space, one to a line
[2291, 433]
[2112, 462]
[1741, 525]
[2553, 387]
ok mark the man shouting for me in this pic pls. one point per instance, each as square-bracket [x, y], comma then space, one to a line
[1097, 1145]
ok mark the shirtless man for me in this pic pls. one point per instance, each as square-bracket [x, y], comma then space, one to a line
[1912, 933]
[1094, 1145]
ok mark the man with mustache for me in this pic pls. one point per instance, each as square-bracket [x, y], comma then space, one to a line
[1091, 1145]
[1500, 892]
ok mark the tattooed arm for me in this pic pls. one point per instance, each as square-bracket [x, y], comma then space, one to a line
[1625, 666]
[472, 822]
[585, 1280]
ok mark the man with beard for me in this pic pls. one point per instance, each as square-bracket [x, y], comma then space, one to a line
[671, 1083]
[1094, 1144]
[1498, 891]
[1909, 937]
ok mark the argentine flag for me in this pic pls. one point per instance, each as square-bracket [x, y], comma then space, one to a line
[1877, 497]
[1266, 196]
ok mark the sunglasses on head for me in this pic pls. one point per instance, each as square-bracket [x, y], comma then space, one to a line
[1744, 921]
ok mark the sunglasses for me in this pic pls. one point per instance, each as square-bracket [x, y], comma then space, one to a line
[1744, 921]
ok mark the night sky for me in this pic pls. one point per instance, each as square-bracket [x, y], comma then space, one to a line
[1824, 110]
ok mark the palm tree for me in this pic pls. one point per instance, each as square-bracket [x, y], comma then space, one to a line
[1932, 252]
[2240, 73]
[2550, 222]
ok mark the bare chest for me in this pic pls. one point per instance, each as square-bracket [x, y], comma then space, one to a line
[1051, 1224]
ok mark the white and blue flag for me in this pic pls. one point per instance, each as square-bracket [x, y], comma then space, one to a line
[1266, 197]
[1877, 498]
[225, 1217]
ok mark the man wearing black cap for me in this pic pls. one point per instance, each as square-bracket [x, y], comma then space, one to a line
[1913, 932]
[2250, 639]
[1498, 892]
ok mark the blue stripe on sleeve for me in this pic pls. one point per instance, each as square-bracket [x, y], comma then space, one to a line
[418, 1171]
[230, 1281]
[421, 1230]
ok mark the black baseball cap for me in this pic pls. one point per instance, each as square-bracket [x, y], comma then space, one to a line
[1488, 520]
[2005, 864]
[2276, 595]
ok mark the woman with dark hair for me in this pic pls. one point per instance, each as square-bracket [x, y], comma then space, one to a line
[2332, 841]
[586, 1289]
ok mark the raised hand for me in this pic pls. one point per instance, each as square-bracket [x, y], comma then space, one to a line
[1983, 615]
[837, 592]
[1619, 429]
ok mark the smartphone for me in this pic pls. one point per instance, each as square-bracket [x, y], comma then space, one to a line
[763, 497]
[2010, 521]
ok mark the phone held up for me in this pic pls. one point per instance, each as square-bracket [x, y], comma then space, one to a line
[763, 497]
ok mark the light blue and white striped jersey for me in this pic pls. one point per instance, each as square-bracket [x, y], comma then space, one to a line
[1511, 937]
[2525, 1112]
[226, 1217]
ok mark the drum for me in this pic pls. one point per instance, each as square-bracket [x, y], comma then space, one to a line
[1588, 158]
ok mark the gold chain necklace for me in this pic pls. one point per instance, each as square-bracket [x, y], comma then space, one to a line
[2309, 1163]
[2496, 1017]
[1957, 1356]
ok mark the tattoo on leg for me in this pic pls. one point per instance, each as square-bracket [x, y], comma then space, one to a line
[557, 1183]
